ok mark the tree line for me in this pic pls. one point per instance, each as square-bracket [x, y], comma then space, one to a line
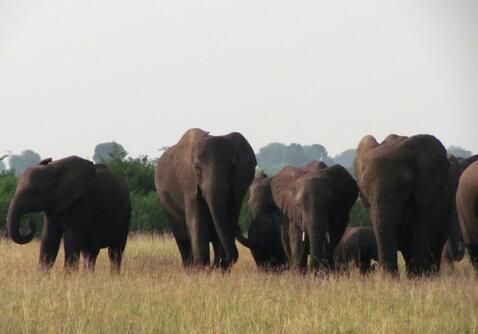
[147, 213]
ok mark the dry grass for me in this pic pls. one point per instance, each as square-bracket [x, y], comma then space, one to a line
[155, 295]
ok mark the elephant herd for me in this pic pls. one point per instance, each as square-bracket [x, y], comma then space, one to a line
[422, 202]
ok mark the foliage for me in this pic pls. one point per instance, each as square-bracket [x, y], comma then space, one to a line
[458, 151]
[273, 157]
[8, 184]
[245, 215]
[20, 162]
[137, 172]
[109, 151]
[359, 215]
[147, 213]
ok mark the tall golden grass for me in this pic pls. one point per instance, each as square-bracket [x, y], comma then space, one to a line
[155, 295]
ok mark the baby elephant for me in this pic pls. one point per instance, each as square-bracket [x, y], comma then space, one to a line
[264, 234]
[357, 245]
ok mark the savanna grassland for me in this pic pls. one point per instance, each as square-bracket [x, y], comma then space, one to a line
[155, 295]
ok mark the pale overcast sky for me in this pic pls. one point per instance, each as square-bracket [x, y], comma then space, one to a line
[77, 73]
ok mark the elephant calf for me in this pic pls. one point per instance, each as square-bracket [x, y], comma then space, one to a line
[83, 203]
[358, 245]
[264, 234]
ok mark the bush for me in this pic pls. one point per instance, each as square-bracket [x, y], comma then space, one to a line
[147, 215]
[359, 215]
[8, 184]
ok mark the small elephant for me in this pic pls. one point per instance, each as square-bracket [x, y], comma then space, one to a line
[358, 245]
[264, 234]
[83, 202]
[467, 207]
[316, 200]
[405, 183]
[201, 182]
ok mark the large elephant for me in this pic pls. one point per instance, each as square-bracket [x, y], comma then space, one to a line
[359, 246]
[264, 232]
[405, 182]
[83, 202]
[467, 207]
[317, 200]
[201, 182]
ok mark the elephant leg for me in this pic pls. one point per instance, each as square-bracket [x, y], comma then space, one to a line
[72, 248]
[50, 244]
[178, 227]
[115, 255]
[364, 262]
[297, 248]
[89, 258]
[197, 214]
[473, 253]
[219, 252]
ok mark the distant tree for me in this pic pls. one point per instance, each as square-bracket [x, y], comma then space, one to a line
[2, 165]
[317, 152]
[346, 158]
[458, 151]
[272, 157]
[19, 163]
[109, 151]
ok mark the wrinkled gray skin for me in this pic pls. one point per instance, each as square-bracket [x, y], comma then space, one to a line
[264, 232]
[83, 203]
[201, 182]
[358, 246]
[317, 200]
[405, 182]
[467, 207]
[454, 249]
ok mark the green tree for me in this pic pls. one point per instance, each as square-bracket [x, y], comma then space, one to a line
[458, 151]
[109, 151]
[20, 162]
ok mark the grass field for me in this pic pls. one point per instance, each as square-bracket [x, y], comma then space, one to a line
[155, 295]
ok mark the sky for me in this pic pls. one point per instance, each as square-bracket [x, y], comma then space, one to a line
[77, 73]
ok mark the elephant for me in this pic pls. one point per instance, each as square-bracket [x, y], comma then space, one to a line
[82, 202]
[264, 233]
[467, 207]
[201, 182]
[316, 200]
[454, 249]
[404, 181]
[358, 245]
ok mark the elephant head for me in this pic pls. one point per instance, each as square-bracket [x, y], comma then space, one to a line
[317, 199]
[222, 170]
[49, 187]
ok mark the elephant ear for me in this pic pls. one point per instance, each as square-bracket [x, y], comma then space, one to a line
[244, 162]
[45, 161]
[283, 189]
[366, 144]
[75, 178]
[245, 157]
[180, 158]
[344, 185]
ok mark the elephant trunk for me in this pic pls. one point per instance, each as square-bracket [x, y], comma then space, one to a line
[385, 219]
[315, 229]
[15, 213]
[219, 207]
